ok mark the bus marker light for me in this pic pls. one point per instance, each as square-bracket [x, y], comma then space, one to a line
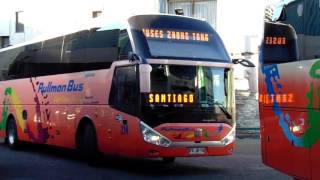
[230, 137]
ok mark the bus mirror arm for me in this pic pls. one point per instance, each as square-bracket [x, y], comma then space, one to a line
[133, 57]
[243, 62]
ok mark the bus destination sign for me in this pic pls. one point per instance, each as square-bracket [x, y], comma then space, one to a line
[170, 98]
[270, 40]
[175, 35]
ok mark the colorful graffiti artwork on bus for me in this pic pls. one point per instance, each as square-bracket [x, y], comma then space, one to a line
[12, 98]
[312, 135]
[10, 94]
[287, 122]
[43, 133]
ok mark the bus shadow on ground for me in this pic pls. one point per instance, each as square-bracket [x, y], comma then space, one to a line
[139, 166]
[155, 167]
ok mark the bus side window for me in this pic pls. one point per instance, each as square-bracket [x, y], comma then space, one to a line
[69, 41]
[74, 52]
[102, 46]
[306, 25]
[22, 65]
[13, 58]
[50, 61]
[34, 56]
[77, 46]
[124, 45]
[90, 50]
[124, 90]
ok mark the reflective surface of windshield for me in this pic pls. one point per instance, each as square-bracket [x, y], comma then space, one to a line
[190, 94]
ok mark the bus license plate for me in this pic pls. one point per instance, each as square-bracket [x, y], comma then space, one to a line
[197, 151]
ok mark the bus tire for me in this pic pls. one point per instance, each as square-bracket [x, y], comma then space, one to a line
[88, 144]
[12, 135]
[168, 160]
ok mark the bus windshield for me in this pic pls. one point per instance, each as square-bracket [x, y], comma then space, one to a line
[176, 37]
[195, 94]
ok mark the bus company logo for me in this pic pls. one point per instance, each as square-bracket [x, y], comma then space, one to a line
[71, 86]
[198, 132]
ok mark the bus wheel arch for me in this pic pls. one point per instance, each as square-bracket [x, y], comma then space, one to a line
[11, 133]
[86, 139]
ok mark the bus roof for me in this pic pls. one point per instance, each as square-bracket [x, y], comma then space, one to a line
[107, 25]
[99, 24]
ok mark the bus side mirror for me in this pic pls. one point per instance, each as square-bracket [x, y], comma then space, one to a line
[243, 62]
[145, 79]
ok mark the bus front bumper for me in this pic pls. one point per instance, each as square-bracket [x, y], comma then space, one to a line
[156, 144]
[186, 149]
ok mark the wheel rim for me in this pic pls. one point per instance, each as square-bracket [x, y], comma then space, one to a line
[11, 136]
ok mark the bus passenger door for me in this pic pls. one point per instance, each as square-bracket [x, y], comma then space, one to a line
[124, 102]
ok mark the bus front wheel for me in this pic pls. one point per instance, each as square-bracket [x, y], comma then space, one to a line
[88, 145]
[12, 135]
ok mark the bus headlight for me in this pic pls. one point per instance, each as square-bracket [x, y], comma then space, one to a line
[230, 137]
[152, 136]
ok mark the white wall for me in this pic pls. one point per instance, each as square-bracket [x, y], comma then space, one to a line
[125, 8]
[4, 27]
[4, 22]
[238, 19]
[42, 18]
[46, 18]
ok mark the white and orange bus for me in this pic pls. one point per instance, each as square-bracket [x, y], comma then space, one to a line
[160, 87]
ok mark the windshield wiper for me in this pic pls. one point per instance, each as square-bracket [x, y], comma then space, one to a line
[223, 109]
